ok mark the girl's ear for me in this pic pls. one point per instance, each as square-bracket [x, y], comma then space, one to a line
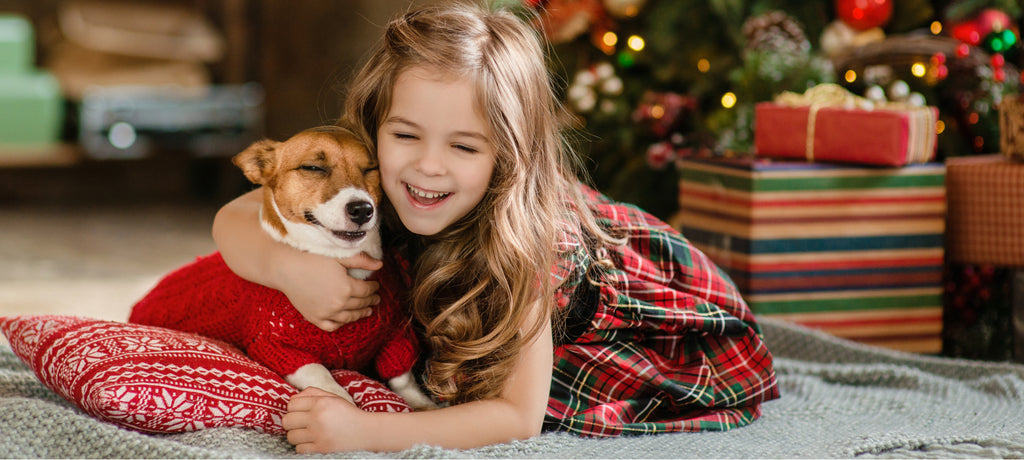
[257, 161]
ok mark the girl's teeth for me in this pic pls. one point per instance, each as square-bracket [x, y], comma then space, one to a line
[423, 194]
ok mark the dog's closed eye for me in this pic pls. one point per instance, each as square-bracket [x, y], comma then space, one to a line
[313, 168]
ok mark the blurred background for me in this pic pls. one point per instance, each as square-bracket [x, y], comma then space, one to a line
[118, 120]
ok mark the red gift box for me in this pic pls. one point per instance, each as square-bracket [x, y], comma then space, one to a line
[885, 137]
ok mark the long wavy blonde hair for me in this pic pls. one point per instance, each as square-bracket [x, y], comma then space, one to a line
[475, 282]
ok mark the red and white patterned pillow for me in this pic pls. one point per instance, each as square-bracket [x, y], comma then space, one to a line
[159, 380]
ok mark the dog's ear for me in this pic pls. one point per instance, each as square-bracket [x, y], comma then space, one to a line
[257, 161]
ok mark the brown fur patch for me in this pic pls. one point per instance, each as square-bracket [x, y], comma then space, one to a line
[307, 170]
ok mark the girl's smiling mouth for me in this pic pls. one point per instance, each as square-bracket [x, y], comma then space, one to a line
[424, 197]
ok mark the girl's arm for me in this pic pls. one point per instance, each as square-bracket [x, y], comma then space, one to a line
[318, 421]
[318, 286]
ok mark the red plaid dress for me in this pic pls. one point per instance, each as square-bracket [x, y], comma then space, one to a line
[660, 342]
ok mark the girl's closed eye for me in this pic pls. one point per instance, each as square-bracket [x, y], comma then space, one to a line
[400, 135]
[466, 148]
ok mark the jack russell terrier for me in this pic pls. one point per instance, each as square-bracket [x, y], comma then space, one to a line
[320, 194]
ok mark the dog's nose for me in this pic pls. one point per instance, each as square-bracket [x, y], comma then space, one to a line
[359, 211]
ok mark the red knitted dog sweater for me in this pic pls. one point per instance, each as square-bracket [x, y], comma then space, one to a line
[207, 298]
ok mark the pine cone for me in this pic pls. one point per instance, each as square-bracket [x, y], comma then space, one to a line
[776, 32]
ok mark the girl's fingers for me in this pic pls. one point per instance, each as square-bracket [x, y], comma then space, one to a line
[344, 317]
[362, 261]
[304, 400]
[300, 436]
[363, 289]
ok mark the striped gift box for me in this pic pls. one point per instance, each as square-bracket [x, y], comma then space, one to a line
[986, 210]
[856, 251]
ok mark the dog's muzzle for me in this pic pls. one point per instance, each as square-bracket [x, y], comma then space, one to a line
[359, 212]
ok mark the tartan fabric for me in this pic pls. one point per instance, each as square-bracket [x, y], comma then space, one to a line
[671, 345]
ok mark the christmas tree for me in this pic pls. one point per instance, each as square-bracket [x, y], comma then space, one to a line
[652, 80]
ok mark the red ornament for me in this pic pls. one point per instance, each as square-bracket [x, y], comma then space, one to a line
[963, 50]
[864, 14]
[975, 28]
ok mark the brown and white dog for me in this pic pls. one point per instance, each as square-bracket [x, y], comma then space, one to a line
[321, 190]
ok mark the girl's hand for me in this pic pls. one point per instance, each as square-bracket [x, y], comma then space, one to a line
[322, 290]
[322, 422]
[318, 286]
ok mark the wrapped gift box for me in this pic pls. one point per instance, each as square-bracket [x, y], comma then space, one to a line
[886, 137]
[984, 312]
[31, 109]
[855, 251]
[17, 44]
[1011, 126]
[986, 210]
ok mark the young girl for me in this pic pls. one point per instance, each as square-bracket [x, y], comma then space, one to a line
[543, 304]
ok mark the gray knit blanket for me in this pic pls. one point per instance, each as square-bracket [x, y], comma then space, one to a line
[839, 399]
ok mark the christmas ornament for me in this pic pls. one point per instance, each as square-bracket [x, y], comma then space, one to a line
[623, 9]
[663, 112]
[939, 69]
[839, 37]
[864, 14]
[659, 154]
[899, 90]
[963, 50]
[775, 31]
[593, 87]
[974, 29]
[1001, 41]
[998, 73]
[564, 20]
[875, 94]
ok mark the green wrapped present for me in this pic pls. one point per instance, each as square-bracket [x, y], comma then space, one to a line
[17, 44]
[31, 109]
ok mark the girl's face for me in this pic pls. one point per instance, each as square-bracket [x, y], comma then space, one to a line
[434, 151]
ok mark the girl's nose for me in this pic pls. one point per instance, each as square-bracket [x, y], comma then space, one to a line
[431, 161]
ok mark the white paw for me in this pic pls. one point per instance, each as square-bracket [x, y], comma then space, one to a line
[405, 386]
[316, 375]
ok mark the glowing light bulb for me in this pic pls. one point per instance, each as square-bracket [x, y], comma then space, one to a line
[918, 69]
[728, 100]
[850, 76]
[936, 27]
[609, 38]
[635, 43]
[703, 65]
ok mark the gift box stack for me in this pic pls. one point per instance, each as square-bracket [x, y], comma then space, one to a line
[31, 108]
[985, 243]
[846, 245]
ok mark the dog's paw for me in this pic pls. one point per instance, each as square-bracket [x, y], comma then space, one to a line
[406, 387]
